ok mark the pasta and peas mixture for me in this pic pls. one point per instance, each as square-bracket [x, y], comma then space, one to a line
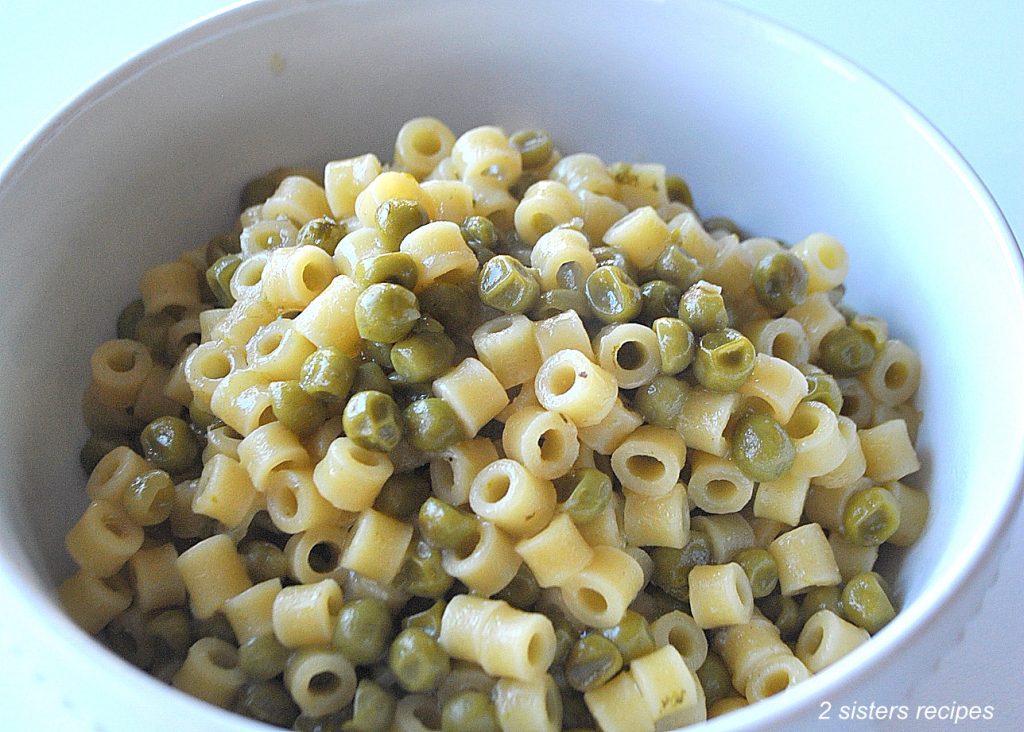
[492, 438]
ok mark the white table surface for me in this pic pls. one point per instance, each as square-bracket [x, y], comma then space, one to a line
[960, 63]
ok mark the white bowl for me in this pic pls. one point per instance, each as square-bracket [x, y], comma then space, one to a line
[767, 127]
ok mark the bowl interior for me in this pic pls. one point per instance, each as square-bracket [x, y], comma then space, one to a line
[767, 129]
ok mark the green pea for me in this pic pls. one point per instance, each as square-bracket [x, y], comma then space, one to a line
[386, 312]
[200, 418]
[373, 708]
[676, 343]
[447, 303]
[845, 352]
[327, 374]
[484, 255]
[164, 669]
[762, 448]
[821, 598]
[785, 613]
[294, 408]
[724, 223]
[429, 325]
[522, 591]
[825, 389]
[613, 295]
[593, 660]
[151, 331]
[370, 377]
[660, 300]
[408, 392]
[565, 636]
[417, 661]
[268, 702]
[398, 268]
[432, 425]
[479, 233]
[363, 630]
[610, 256]
[560, 300]
[672, 566]
[379, 353]
[584, 493]
[402, 495]
[678, 190]
[447, 527]
[703, 308]
[715, 679]
[262, 528]
[661, 401]
[506, 285]
[871, 516]
[422, 572]
[171, 632]
[632, 636]
[263, 560]
[570, 276]
[866, 602]
[676, 266]
[521, 254]
[780, 282]
[759, 566]
[835, 296]
[398, 217]
[874, 329]
[372, 420]
[469, 711]
[218, 277]
[149, 498]
[97, 446]
[429, 620]
[262, 657]
[323, 232]
[576, 716]
[422, 357]
[216, 626]
[128, 320]
[724, 360]
[220, 245]
[127, 639]
[334, 722]
[534, 146]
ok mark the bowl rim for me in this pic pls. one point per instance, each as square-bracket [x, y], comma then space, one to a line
[901, 632]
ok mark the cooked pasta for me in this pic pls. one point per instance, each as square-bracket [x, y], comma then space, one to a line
[474, 392]
[155, 579]
[344, 180]
[463, 417]
[649, 460]
[826, 638]
[251, 613]
[556, 553]
[421, 144]
[503, 640]
[210, 672]
[630, 353]
[546, 443]
[305, 615]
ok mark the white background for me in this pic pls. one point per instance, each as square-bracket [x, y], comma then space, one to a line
[960, 62]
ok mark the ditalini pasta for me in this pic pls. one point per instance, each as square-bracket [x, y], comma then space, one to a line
[489, 437]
